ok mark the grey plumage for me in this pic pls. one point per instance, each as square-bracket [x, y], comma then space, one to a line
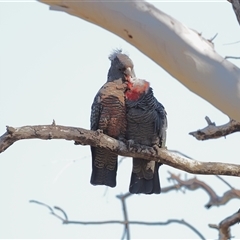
[120, 62]
[109, 115]
[146, 125]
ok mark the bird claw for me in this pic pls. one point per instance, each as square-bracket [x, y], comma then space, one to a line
[157, 148]
[99, 131]
[79, 143]
[129, 144]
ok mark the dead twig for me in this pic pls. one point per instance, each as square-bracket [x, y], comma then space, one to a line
[126, 222]
[231, 57]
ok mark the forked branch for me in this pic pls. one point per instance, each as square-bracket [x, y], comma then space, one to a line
[126, 222]
[212, 131]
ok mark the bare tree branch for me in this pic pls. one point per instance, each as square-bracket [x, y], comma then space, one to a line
[123, 197]
[223, 180]
[231, 57]
[212, 38]
[191, 184]
[168, 222]
[215, 200]
[180, 153]
[224, 226]
[52, 211]
[231, 43]
[98, 139]
[61, 210]
[126, 222]
[183, 154]
[181, 51]
[66, 221]
[212, 131]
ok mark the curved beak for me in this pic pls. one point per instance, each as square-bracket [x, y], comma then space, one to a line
[129, 73]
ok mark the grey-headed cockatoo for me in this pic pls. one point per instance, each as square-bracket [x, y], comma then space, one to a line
[146, 125]
[109, 115]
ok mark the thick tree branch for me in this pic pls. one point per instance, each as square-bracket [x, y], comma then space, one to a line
[215, 200]
[126, 222]
[181, 51]
[224, 226]
[98, 139]
[182, 154]
[212, 131]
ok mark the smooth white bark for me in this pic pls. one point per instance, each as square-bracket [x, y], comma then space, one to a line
[182, 52]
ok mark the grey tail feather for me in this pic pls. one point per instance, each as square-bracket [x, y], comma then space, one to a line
[103, 176]
[146, 186]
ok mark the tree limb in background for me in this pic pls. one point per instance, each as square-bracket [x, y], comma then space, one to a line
[181, 51]
[98, 139]
[52, 210]
[126, 222]
[231, 57]
[183, 154]
[212, 131]
[215, 200]
[236, 8]
[224, 226]
[126, 231]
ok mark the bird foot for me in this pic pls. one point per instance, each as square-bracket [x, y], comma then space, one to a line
[99, 131]
[79, 143]
[157, 148]
[129, 144]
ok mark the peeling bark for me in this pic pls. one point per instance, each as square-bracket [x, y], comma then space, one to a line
[98, 139]
[212, 131]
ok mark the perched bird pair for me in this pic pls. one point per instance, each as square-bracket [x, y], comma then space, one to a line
[125, 108]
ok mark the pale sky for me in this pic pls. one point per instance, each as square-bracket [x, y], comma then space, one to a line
[51, 66]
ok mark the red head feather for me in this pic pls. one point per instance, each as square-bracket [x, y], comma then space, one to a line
[136, 87]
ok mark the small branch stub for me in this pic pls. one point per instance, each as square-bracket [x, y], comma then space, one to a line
[10, 130]
[212, 131]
